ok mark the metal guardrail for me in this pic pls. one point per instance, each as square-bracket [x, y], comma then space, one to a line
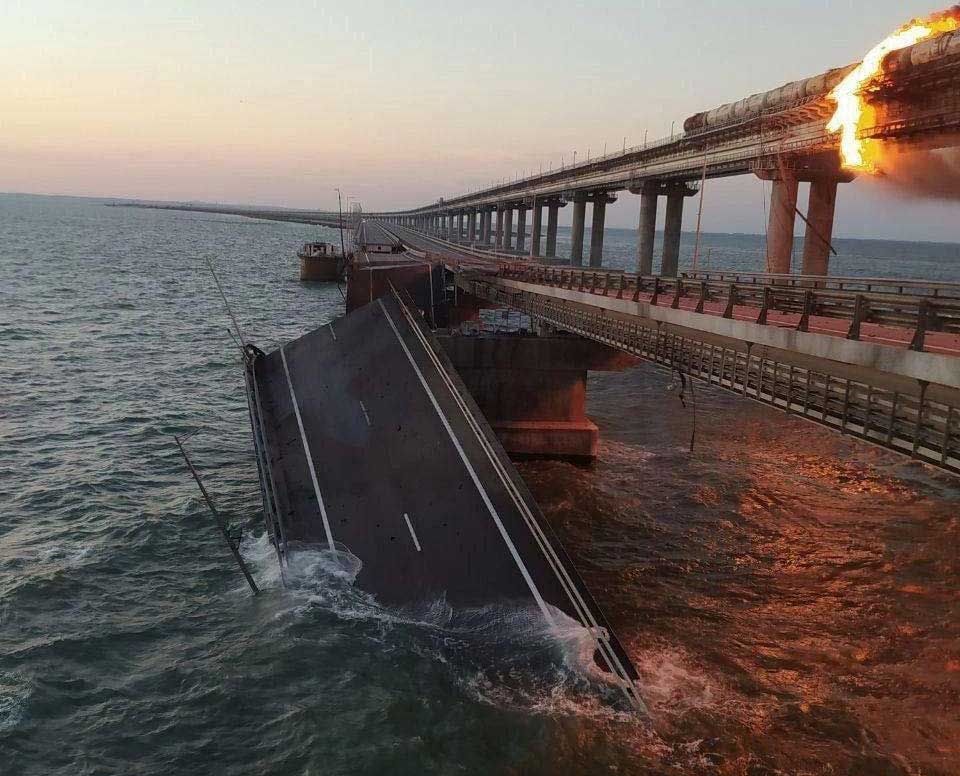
[931, 288]
[921, 425]
[917, 313]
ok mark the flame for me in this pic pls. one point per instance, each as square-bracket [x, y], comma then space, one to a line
[852, 111]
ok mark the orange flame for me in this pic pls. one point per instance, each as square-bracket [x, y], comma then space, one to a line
[852, 109]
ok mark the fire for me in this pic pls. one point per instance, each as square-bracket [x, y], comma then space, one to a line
[852, 108]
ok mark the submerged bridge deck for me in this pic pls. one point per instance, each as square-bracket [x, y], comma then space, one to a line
[369, 443]
[876, 359]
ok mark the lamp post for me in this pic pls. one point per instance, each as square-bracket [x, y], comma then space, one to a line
[343, 247]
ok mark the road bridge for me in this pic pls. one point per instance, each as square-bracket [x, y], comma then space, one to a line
[370, 448]
[780, 136]
[873, 358]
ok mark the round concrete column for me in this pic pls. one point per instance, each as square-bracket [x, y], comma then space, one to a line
[507, 229]
[521, 228]
[647, 231]
[553, 210]
[672, 227]
[819, 234]
[783, 216]
[596, 230]
[535, 229]
[576, 236]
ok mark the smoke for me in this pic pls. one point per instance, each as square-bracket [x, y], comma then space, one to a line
[922, 174]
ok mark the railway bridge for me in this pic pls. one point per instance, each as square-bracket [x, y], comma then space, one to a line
[779, 136]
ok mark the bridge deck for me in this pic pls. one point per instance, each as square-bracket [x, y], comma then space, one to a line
[374, 446]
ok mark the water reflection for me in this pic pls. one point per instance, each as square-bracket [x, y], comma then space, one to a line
[790, 596]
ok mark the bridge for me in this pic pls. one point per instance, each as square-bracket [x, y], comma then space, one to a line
[779, 136]
[873, 358]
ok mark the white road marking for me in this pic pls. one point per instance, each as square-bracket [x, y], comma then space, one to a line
[473, 475]
[585, 614]
[364, 409]
[332, 332]
[413, 535]
[306, 449]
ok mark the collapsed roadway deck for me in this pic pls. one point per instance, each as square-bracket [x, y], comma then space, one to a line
[368, 442]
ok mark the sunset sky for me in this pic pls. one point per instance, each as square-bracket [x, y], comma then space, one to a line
[401, 103]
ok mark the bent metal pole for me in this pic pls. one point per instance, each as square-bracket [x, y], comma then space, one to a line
[221, 523]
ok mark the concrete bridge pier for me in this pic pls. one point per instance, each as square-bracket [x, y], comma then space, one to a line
[817, 239]
[647, 230]
[553, 210]
[521, 227]
[472, 226]
[536, 228]
[780, 231]
[500, 217]
[600, 202]
[507, 228]
[576, 236]
[672, 227]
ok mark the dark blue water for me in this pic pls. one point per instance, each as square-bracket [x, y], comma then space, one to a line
[790, 596]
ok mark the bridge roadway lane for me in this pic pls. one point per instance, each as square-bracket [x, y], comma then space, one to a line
[409, 478]
[891, 336]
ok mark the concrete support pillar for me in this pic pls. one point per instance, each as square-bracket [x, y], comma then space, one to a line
[671, 233]
[472, 226]
[553, 210]
[819, 234]
[462, 226]
[596, 230]
[647, 231]
[783, 216]
[501, 212]
[507, 229]
[576, 237]
[535, 229]
[521, 228]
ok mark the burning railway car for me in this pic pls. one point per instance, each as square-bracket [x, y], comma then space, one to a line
[792, 95]
[943, 47]
[811, 92]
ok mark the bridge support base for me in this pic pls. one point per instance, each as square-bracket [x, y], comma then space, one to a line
[533, 390]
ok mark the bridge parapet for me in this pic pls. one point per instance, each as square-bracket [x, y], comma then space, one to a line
[855, 390]
[914, 314]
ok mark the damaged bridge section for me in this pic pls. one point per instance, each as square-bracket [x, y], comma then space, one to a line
[368, 441]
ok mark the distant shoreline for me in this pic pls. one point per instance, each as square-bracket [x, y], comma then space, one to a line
[317, 217]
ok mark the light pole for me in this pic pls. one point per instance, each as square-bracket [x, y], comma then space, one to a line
[343, 247]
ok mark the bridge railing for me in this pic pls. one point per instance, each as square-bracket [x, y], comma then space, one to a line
[913, 314]
[900, 287]
[923, 424]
